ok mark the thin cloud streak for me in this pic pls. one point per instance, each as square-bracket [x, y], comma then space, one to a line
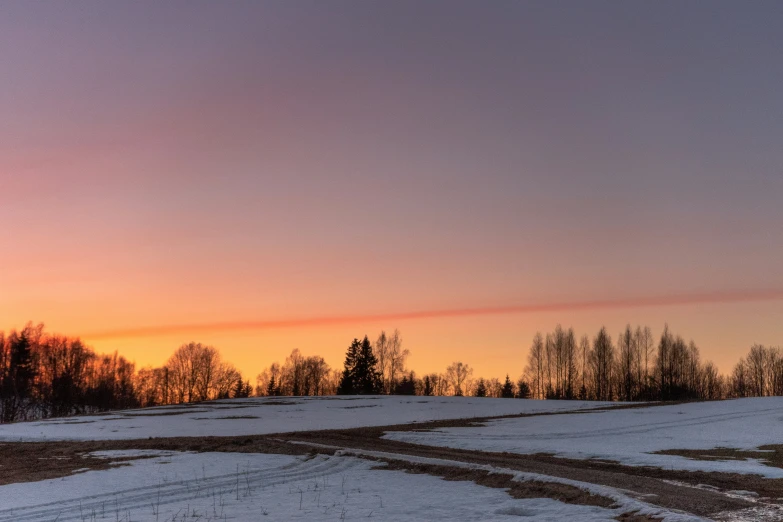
[309, 322]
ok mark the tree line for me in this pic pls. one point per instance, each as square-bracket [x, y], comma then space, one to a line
[48, 375]
[44, 375]
[759, 374]
[635, 367]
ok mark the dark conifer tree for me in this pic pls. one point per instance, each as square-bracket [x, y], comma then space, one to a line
[523, 389]
[508, 389]
[406, 386]
[18, 381]
[367, 378]
[481, 389]
[428, 386]
[271, 388]
[348, 385]
[241, 389]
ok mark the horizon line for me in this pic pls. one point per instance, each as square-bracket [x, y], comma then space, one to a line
[308, 322]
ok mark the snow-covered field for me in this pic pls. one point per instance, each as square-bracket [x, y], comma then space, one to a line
[630, 436]
[182, 486]
[256, 416]
[251, 487]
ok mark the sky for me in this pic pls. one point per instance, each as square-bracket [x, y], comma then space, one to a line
[264, 176]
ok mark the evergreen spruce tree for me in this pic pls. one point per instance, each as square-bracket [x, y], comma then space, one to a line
[508, 389]
[17, 383]
[367, 378]
[428, 386]
[239, 389]
[271, 387]
[523, 389]
[407, 386]
[481, 389]
[348, 381]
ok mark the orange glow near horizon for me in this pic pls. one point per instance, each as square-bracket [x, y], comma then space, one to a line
[492, 344]
[310, 322]
[493, 340]
[266, 176]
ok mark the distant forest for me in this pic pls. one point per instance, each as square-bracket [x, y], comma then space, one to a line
[46, 375]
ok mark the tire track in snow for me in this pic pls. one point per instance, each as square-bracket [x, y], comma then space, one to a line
[145, 497]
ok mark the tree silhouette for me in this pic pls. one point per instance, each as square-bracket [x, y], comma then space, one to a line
[347, 382]
[428, 387]
[457, 375]
[367, 376]
[406, 386]
[481, 388]
[508, 389]
[360, 375]
[241, 389]
[18, 379]
[601, 361]
[523, 389]
[271, 388]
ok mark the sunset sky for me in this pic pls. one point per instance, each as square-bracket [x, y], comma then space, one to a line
[264, 176]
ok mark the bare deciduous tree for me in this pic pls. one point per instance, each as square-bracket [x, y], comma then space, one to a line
[382, 354]
[536, 364]
[197, 373]
[601, 360]
[396, 359]
[457, 375]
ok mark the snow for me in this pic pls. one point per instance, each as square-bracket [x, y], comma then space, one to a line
[630, 436]
[250, 487]
[167, 486]
[257, 416]
[625, 504]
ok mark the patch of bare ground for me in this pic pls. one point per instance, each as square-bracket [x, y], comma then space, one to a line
[636, 517]
[272, 402]
[228, 417]
[34, 462]
[163, 413]
[771, 454]
[517, 489]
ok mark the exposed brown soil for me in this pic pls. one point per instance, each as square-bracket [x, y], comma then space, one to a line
[162, 413]
[771, 455]
[636, 517]
[529, 489]
[228, 417]
[31, 463]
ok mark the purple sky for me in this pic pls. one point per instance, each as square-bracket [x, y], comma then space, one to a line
[199, 162]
